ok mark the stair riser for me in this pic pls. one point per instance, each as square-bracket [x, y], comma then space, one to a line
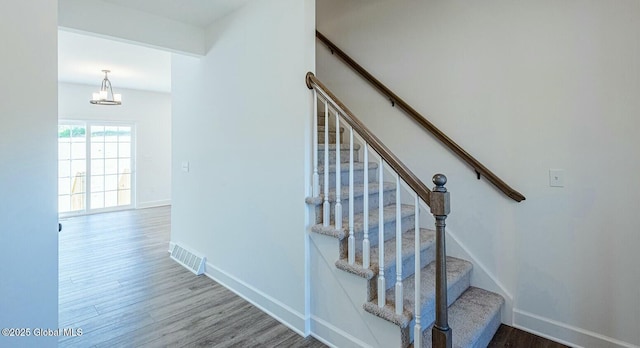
[483, 341]
[389, 197]
[358, 177]
[344, 156]
[344, 139]
[454, 291]
[389, 232]
[332, 117]
[408, 266]
[476, 317]
[332, 120]
[458, 281]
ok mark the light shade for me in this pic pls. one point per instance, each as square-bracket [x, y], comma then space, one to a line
[106, 96]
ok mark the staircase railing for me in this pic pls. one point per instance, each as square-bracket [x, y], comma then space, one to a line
[478, 167]
[437, 200]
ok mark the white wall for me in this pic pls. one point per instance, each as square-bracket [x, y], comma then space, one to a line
[524, 87]
[127, 24]
[151, 112]
[28, 211]
[241, 117]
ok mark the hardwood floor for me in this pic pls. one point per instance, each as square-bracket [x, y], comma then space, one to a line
[118, 284]
[508, 336]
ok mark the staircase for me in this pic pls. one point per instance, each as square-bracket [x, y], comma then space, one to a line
[474, 314]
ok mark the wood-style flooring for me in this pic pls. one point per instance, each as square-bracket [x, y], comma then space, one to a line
[508, 336]
[118, 284]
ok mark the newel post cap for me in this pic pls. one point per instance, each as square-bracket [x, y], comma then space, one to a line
[440, 180]
[440, 197]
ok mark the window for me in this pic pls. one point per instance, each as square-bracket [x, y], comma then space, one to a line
[72, 164]
[95, 166]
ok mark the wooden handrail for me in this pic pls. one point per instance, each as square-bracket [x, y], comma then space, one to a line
[405, 174]
[478, 167]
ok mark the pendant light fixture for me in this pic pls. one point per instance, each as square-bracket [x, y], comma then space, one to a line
[106, 96]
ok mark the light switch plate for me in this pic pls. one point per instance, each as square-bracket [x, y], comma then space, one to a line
[185, 166]
[556, 177]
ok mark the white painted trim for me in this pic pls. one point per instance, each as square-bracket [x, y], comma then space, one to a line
[323, 341]
[153, 204]
[309, 212]
[274, 308]
[563, 333]
[307, 277]
[346, 339]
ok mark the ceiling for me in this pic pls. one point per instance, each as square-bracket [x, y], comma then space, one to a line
[199, 13]
[82, 57]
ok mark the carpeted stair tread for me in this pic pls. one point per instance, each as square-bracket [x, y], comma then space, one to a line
[458, 279]
[358, 191]
[474, 319]
[332, 147]
[474, 314]
[332, 129]
[427, 239]
[344, 167]
[389, 213]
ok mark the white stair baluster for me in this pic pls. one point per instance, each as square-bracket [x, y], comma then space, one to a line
[381, 282]
[338, 208]
[315, 190]
[326, 206]
[417, 329]
[399, 292]
[366, 245]
[352, 240]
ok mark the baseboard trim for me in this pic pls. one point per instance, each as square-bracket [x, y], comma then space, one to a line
[274, 308]
[153, 204]
[321, 329]
[563, 333]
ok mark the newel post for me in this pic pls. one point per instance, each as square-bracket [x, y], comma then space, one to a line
[441, 333]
